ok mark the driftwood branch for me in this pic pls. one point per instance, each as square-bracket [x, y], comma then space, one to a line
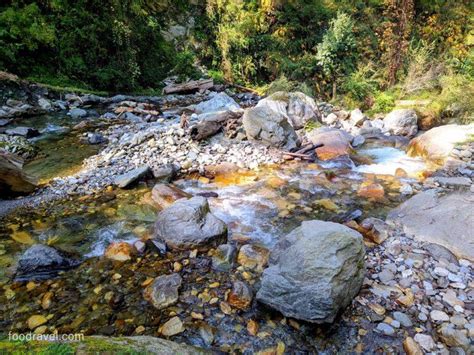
[211, 125]
[190, 86]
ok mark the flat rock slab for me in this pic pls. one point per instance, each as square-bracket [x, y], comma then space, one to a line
[445, 220]
[127, 179]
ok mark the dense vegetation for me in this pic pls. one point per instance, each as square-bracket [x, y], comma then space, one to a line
[368, 53]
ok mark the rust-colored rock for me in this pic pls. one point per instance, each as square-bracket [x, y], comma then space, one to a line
[165, 195]
[120, 251]
[371, 190]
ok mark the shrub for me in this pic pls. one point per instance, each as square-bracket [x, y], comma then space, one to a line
[283, 84]
[383, 102]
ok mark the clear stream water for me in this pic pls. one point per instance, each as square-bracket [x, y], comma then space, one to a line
[257, 205]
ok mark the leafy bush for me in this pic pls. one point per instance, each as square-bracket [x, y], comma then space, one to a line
[283, 84]
[383, 102]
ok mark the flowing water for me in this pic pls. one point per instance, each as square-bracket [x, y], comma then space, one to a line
[259, 206]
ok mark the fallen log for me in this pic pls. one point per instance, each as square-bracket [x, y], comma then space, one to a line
[12, 179]
[191, 86]
[209, 126]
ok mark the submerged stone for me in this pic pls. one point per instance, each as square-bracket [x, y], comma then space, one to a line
[163, 291]
[41, 262]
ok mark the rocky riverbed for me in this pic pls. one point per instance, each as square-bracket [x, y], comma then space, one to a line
[290, 227]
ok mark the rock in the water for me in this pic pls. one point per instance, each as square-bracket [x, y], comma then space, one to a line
[224, 257]
[218, 102]
[188, 224]
[402, 122]
[95, 138]
[172, 327]
[437, 144]
[77, 113]
[26, 132]
[315, 271]
[165, 195]
[240, 296]
[445, 220]
[253, 257]
[266, 123]
[335, 142]
[165, 173]
[12, 179]
[41, 261]
[120, 251]
[133, 176]
[163, 291]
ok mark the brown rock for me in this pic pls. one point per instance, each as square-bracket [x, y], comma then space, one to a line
[120, 251]
[253, 256]
[241, 295]
[371, 190]
[411, 347]
[164, 195]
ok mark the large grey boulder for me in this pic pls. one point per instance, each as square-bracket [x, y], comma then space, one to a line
[41, 261]
[315, 271]
[402, 122]
[268, 124]
[437, 144]
[445, 220]
[218, 102]
[298, 107]
[189, 224]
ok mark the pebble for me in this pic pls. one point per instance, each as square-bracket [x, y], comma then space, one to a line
[425, 341]
[385, 328]
[439, 316]
[403, 319]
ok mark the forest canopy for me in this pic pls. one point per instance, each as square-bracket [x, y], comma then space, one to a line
[358, 48]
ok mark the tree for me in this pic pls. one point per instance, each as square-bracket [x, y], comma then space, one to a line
[396, 35]
[335, 54]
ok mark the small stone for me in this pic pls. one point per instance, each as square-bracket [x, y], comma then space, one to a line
[425, 341]
[442, 272]
[163, 292]
[195, 315]
[411, 347]
[386, 276]
[385, 329]
[35, 321]
[252, 327]
[140, 329]
[172, 327]
[453, 337]
[223, 258]
[225, 308]
[439, 316]
[403, 319]
[253, 257]
[120, 251]
[241, 295]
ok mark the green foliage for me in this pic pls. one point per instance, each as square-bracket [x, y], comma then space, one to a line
[335, 54]
[58, 349]
[217, 76]
[185, 66]
[283, 84]
[383, 102]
